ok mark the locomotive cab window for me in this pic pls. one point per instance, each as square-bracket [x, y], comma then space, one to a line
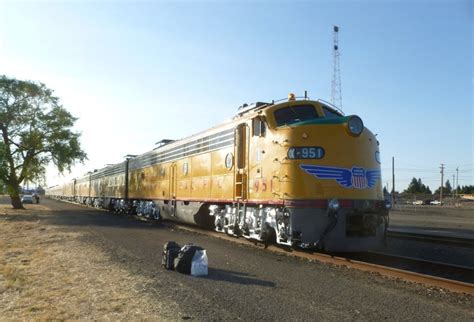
[330, 113]
[258, 126]
[295, 114]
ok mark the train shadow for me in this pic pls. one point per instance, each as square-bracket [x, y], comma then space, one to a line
[216, 274]
[74, 215]
[97, 218]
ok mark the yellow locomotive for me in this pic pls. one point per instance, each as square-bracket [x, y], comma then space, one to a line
[296, 171]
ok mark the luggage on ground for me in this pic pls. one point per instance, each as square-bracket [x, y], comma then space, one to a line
[199, 263]
[170, 252]
[183, 262]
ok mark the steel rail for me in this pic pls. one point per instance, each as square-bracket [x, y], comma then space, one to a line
[455, 240]
[428, 267]
[448, 284]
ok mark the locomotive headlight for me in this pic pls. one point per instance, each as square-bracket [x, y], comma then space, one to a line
[333, 205]
[355, 125]
[377, 157]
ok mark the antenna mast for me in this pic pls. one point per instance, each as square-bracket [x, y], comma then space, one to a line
[336, 91]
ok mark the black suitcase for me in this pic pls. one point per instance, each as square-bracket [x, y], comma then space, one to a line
[170, 252]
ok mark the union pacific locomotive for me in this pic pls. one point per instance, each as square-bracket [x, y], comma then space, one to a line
[297, 172]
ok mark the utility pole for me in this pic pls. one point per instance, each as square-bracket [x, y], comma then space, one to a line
[393, 181]
[457, 180]
[441, 188]
[336, 91]
[454, 182]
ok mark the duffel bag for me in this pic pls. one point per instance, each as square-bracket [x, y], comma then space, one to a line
[183, 261]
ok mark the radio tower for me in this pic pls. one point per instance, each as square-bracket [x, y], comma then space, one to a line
[336, 92]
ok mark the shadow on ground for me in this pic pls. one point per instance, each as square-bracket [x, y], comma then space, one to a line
[70, 215]
[216, 274]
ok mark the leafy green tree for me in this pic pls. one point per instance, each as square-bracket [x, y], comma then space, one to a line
[35, 130]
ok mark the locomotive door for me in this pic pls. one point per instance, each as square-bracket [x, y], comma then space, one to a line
[241, 162]
[173, 184]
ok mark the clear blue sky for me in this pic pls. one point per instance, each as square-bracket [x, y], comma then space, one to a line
[137, 73]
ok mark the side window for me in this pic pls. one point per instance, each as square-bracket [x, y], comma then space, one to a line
[330, 113]
[258, 126]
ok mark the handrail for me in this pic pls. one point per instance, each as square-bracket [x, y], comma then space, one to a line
[259, 107]
[253, 107]
[331, 105]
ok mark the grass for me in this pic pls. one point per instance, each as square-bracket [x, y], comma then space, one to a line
[49, 274]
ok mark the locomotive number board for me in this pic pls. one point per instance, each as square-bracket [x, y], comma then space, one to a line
[306, 152]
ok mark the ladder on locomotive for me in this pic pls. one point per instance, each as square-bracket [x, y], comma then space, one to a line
[241, 167]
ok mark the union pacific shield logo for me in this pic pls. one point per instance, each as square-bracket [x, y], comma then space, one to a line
[356, 177]
[359, 179]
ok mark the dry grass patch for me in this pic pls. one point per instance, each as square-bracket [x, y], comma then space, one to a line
[46, 273]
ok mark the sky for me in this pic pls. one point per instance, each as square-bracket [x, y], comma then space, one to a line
[138, 72]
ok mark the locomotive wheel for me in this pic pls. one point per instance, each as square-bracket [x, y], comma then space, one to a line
[268, 234]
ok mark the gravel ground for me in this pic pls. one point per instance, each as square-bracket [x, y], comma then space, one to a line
[244, 282]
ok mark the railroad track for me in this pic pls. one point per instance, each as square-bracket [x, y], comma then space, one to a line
[419, 271]
[442, 239]
[432, 268]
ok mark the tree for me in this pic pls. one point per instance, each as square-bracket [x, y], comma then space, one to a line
[427, 190]
[35, 130]
[447, 187]
[466, 189]
[416, 186]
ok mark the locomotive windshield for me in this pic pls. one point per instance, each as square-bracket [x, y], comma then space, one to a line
[294, 114]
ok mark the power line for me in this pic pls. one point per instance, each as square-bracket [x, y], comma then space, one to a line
[464, 176]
